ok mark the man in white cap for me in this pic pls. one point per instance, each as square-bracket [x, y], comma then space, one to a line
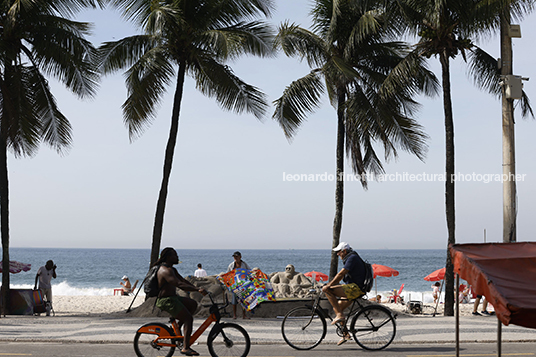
[353, 274]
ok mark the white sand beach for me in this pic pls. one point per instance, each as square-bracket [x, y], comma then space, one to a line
[103, 305]
[93, 305]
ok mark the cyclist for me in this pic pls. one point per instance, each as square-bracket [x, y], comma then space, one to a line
[353, 274]
[181, 308]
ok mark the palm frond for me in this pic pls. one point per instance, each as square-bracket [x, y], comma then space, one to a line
[300, 98]
[254, 38]
[163, 18]
[409, 76]
[67, 8]
[146, 82]
[218, 81]
[20, 125]
[55, 128]
[60, 51]
[298, 42]
[112, 56]
[136, 11]
[368, 25]
[228, 12]
[380, 118]
[526, 109]
[485, 72]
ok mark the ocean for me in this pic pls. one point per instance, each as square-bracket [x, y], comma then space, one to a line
[99, 271]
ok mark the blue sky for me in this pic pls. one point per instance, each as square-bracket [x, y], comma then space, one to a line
[227, 188]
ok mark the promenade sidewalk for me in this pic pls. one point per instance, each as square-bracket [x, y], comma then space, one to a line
[118, 329]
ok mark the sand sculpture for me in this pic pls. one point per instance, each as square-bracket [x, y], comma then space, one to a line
[290, 284]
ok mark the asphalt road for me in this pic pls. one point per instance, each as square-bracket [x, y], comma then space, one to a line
[275, 350]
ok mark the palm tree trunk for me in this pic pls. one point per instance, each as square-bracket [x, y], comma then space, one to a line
[168, 162]
[339, 190]
[449, 183]
[4, 224]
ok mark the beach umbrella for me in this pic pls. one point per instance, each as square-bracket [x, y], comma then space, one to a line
[382, 270]
[16, 267]
[437, 275]
[317, 275]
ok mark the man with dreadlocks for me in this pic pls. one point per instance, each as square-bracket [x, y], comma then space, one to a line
[181, 308]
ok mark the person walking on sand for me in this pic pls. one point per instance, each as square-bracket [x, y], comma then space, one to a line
[484, 306]
[237, 263]
[44, 277]
[353, 273]
[180, 308]
[200, 272]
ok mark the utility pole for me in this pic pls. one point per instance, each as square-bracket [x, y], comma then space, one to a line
[508, 134]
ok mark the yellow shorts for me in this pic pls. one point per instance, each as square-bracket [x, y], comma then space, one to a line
[352, 291]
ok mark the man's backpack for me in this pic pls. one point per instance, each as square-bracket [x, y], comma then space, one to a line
[150, 283]
[369, 278]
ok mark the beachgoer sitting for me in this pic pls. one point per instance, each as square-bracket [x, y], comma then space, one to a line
[126, 286]
[464, 294]
[392, 298]
[377, 299]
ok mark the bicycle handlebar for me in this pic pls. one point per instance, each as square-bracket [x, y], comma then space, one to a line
[214, 303]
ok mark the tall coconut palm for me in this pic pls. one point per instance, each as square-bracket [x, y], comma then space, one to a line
[370, 82]
[447, 29]
[186, 37]
[37, 39]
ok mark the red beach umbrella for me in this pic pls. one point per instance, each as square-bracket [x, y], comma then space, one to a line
[382, 270]
[17, 267]
[318, 275]
[437, 275]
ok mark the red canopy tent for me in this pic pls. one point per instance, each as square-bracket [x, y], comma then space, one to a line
[505, 273]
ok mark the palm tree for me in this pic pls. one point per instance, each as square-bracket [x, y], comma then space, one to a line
[194, 38]
[37, 39]
[446, 29]
[369, 80]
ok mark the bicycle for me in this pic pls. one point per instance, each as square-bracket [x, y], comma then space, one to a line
[224, 339]
[373, 327]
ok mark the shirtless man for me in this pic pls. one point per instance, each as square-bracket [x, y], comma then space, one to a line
[181, 308]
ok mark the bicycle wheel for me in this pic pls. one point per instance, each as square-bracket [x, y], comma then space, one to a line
[144, 345]
[303, 328]
[373, 328]
[228, 339]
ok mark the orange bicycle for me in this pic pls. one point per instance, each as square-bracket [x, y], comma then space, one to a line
[224, 339]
